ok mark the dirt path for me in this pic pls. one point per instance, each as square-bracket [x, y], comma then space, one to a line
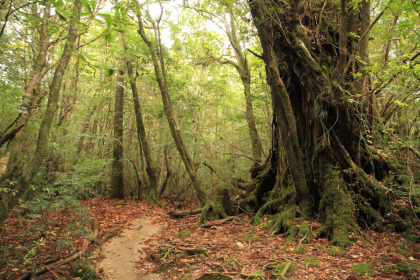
[122, 252]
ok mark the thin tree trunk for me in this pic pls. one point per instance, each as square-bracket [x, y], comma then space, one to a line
[141, 131]
[164, 90]
[69, 100]
[117, 176]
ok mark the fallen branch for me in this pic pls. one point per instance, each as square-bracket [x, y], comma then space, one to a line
[53, 266]
[181, 214]
[218, 222]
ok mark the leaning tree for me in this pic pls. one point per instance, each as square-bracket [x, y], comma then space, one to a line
[322, 161]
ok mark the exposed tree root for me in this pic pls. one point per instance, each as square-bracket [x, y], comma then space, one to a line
[290, 223]
[50, 267]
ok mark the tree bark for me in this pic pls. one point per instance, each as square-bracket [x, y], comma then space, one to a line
[117, 176]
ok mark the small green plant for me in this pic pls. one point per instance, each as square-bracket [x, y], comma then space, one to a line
[362, 268]
[184, 234]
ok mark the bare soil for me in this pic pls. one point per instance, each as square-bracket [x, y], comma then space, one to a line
[123, 252]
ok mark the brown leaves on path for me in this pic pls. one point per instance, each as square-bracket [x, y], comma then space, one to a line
[239, 250]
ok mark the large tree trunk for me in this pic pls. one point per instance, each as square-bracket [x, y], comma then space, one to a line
[117, 178]
[310, 60]
[32, 168]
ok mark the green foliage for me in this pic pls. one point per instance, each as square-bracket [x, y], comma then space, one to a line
[86, 180]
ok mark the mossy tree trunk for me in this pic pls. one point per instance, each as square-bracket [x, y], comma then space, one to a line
[312, 63]
[32, 168]
[117, 176]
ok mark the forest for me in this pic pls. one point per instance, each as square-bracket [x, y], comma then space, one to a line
[258, 139]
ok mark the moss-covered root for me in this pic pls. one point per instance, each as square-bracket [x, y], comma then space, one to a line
[212, 211]
[274, 204]
[289, 223]
[336, 208]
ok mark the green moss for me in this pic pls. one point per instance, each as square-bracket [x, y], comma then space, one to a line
[337, 208]
[387, 268]
[362, 268]
[412, 237]
[403, 267]
[311, 262]
[287, 223]
[299, 250]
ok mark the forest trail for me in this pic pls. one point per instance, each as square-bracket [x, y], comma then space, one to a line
[122, 253]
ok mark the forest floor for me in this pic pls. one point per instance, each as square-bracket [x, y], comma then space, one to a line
[168, 248]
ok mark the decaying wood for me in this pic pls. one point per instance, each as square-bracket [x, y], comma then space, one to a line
[50, 267]
[218, 222]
